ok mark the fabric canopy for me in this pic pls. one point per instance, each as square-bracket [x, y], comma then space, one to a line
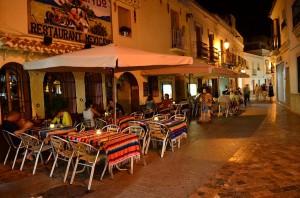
[194, 68]
[218, 72]
[98, 59]
[109, 56]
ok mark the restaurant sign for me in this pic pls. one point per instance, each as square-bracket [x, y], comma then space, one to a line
[84, 21]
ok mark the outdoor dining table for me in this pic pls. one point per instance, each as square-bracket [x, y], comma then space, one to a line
[44, 133]
[122, 121]
[119, 147]
[177, 128]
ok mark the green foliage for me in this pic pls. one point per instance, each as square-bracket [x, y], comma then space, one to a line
[98, 29]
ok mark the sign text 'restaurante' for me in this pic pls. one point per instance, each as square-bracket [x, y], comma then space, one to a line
[66, 34]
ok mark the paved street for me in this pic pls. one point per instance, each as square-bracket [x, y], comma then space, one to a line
[255, 154]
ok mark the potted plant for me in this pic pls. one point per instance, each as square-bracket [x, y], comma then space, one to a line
[124, 30]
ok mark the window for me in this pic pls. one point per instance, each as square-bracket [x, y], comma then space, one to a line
[124, 17]
[153, 86]
[93, 89]
[15, 90]
[296, 13]
[167, 89]
[298, 62]
[193, 89]
[59, 93]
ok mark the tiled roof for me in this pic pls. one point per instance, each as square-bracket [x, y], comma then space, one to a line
[35, 45]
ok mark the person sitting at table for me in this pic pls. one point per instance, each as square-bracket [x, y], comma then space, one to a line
[166, 103]
[89, 112]
[110, 107]
[150, 104]
[16, 125]
[62, 117]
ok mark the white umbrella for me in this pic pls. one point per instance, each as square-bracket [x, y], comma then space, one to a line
[112, 56]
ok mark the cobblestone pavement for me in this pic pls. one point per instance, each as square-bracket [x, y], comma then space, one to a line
[255, 154]
[267, 166]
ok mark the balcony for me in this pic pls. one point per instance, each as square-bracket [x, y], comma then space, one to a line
[296, 19]
[213, 55]
[200, 50]
[232, 60]
[254, 72]
[178, 42]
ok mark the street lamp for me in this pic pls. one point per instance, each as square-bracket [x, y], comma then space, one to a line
[226, 44]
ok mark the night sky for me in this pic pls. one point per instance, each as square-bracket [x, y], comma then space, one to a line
[252, 17]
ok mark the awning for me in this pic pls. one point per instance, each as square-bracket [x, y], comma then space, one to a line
[218, 72]
[242, 75]
[194, 68]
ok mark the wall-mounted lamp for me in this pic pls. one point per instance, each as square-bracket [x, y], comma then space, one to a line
[188, 15]
[226, 44]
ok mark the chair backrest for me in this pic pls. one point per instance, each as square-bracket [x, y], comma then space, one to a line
[100, 123]
[111, 128]
[80, 127]
[29, 140]
[223, 104]
[87, 123]
[179, 117]
[9, 138]
[135, 123]
[160, 117]
[59, 145]
[138, 115]
[156, 127]
[137, 130]
[87, 151]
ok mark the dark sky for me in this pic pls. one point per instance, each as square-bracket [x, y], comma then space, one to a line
[252, 17]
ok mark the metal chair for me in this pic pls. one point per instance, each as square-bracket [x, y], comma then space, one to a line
[80, 127]
[159, 117]
[157, 133]
[87, 123]
[90, 157]
[12, 145]
[62, 150]
[139, 131]
[111, 128]
[138, 115]
[179, 117]
[35, 146]
[223, 108]
[100, 123]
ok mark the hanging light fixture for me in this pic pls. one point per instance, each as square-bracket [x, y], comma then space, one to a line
[226, 44]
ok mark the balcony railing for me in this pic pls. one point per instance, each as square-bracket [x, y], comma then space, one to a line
[200, 50]
[233, 60]
[213, 55]
[178, 40]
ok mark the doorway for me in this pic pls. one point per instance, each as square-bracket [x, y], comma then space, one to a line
[280, 82]
[128, 92]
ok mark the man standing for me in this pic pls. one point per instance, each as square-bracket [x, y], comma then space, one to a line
[246, 91]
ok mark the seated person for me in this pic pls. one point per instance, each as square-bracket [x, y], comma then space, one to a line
[150, 104]
[110, 107]
[64, 116]
[166, 103]
[224, 98]
[89, 112]
[16, 125]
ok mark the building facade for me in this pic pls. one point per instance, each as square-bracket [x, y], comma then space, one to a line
[286, 51]
[44, 28]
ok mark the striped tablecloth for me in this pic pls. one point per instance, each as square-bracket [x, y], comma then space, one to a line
[176, 128]
[44, 133]
[118, 146]
[123, 121]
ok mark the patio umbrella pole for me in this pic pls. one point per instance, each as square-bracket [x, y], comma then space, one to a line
[114, 95]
